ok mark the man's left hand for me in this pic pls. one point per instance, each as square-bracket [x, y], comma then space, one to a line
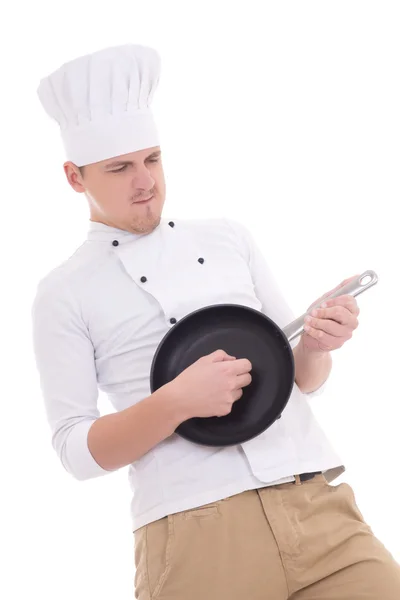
[329, 327]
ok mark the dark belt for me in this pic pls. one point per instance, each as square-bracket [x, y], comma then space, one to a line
[307, 476]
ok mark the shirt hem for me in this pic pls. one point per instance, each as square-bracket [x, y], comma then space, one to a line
[187, 503]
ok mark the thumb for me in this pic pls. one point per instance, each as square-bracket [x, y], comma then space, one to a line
[340, 286]
[332, 291]
[220, 355]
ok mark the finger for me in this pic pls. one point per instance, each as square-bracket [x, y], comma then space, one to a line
[332, 328]
[237, 394]
[346, 301]
[243, 380]
[241, 366]
[325, 341]
[340, 314]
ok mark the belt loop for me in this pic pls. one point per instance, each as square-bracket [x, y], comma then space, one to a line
[298, 480]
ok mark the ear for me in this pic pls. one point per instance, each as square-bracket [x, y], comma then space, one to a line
[74, 177]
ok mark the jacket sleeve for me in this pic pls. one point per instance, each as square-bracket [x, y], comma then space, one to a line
[274, 304]
[65, 361]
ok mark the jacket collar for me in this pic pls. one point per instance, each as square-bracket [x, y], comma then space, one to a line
[101, 232]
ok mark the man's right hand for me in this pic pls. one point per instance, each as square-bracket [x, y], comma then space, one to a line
[210, 386]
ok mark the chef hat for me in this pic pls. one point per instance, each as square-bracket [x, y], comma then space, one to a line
[101, 102]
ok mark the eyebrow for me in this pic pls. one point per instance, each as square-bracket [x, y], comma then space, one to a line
[120, 163]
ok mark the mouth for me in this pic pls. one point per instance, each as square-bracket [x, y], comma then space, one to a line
[145, 201]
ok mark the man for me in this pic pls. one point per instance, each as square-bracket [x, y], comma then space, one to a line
[260, 520]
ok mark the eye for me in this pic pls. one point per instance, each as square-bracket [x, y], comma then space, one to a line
[154, 160]
[119, 170]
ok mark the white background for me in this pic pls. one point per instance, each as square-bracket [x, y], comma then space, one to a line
[284, 115]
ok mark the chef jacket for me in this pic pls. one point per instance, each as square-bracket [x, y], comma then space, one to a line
[97, 321]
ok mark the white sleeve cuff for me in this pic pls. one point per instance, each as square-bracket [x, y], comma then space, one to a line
[318, 391]
[76, 456]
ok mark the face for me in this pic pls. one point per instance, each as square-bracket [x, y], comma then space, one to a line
[127, 192]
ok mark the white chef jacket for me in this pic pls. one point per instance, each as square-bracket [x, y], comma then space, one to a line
[97, 321]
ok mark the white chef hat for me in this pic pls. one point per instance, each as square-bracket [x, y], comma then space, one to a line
[101, 102]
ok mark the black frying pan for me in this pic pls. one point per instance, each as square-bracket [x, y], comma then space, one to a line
[244, 333]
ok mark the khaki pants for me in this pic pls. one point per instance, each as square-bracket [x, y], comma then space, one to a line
[303, 541]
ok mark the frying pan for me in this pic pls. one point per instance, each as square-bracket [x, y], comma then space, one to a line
[244, 333]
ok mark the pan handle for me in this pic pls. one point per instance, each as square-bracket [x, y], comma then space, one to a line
[353, 288]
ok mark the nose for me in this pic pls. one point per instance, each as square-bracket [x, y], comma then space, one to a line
[143, 181]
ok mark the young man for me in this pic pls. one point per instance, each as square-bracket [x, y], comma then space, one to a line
[260, 520]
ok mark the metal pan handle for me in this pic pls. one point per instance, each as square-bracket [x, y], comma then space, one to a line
[356, 286]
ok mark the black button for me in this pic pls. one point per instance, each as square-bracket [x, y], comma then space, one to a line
[115, 243]
[201, 260]
[173, 320]
[171, 224]
[143, 279]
